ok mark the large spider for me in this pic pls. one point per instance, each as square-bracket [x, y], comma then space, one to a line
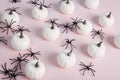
[3, 40]
[109, 15]
[53, 22]
[14, 1]
[8, 26]
[87, 67]
[20, 30]
[11, 10]
[75, 23]
[32, 54]
[67, 26]
[35, 2]
[68, 43]
[97, 33]
[20, 58]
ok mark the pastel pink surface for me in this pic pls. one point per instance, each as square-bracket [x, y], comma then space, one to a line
[107, 68]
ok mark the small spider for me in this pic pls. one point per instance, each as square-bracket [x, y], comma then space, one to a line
[35, 2]
[8, 26]
[20, 58]
[68, 43]
[32, 54]
[87, 67]
[14, 1]
[20, 30]
[3, 40]
[53, 22]
[14, 74]
[109, 15]
[43, 4]
[11, 10]
[75, 23]
[97, 33]
[67, 26]
[4, 70]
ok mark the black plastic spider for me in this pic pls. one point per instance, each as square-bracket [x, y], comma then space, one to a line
[97, 33]
[43, 4]
[14, 1]
[109, 15]
[14, 74]
[53, 22]
[75, 23]
[68, 43]
[3, 40]
[87, 67]
[8, 26]
[5, 70]
[32, 54]
[20, 30]
[20, 58]
[35, 2]
[67, 26]
[13, 9]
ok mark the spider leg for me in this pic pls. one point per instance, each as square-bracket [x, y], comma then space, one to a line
[66, 46]
[92, 71]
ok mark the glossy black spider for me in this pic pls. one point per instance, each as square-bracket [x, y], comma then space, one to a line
[97, 33]
[8, 26]
[20, 58]
[87, 67]
[5, 70]
[13, 9]
[20, 30]
[75, 23]
[67, 26]
[43, 4]
[3, 40]
[14, 1]
[109, 15]
[68, 43]
[53, 22]
[32, 54]
[35, 2]
[14, 74]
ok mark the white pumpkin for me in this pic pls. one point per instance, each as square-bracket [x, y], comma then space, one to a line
[18, 43]
[8, 17]
[67, 7]
[85, 27]
[117, 41]
[92, 4]
[39, 13]
[106, 20]
[66, 59]
[96, 50]
[51, 33]
[35, 69]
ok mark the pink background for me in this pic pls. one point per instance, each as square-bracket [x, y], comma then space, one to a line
[107, 68]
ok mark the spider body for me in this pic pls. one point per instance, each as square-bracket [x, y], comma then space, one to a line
[87, 68]
[32, 54]
[99, 33]
[67, 27]
[75, 23]
[14, 1]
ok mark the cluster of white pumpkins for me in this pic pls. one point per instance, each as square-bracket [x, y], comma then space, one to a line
[35, 69]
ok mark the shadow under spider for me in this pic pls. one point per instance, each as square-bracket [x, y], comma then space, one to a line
[87, 68]
[32, 54]
[20, 58]
[98, 33]
[69, 43]
[8, 26]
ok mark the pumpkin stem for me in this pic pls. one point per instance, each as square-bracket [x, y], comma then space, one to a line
[69, 53]
[52, 27]
[41, 7]
[11, 12]
[99, 44]
[21, 35]
[68, 1]
[109, 15]
[37, 64]
[84, 22]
